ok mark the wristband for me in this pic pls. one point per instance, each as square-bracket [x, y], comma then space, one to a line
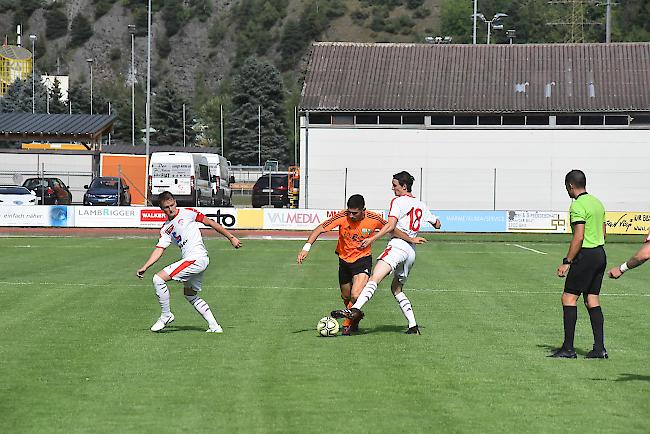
[565, 261]
[306, 247]
[623, 267]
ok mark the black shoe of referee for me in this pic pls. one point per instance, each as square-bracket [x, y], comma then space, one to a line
[563, 353]
[597, 354]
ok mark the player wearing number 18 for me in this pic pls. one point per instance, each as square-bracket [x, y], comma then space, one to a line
[407, 214]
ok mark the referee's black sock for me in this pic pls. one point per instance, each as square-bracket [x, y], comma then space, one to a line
[597, 326]
[570, 318]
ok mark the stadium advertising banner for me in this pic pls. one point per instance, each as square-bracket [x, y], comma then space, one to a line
[295, 219]
[155, 217]
[468, 221]
[628, 222]
[57, 216]
[538, 221]
[106, 216]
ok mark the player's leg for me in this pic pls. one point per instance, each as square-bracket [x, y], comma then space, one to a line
[191, 289]
[397, 286]
[592, 302]
[345, 284]
[359, 281]
[160, 280]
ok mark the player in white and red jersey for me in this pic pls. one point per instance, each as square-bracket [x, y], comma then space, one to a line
[640, 257]
[183, 229]
[407, 214]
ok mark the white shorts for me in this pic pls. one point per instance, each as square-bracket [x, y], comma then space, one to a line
[400, 255]
[190, 271]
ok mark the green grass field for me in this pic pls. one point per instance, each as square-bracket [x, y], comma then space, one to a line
[77, 356]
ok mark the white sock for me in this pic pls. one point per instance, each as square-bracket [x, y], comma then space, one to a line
[203, 309]
[366, 294]
[163, 295]
[407, 310]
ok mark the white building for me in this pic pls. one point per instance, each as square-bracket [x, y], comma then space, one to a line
[478, 126]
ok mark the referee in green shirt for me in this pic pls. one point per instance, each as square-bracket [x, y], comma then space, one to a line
[584, 266]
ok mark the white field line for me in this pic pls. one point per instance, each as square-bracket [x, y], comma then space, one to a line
[145, 284]
[527, 248]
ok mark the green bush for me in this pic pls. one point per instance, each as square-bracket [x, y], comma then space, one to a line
[56, 23]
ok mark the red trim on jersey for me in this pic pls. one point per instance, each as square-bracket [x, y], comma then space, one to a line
[181, 267]
[390, 207]
[159, 247]
[386, 251]
[199, 216]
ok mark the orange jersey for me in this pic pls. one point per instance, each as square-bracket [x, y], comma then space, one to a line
[351, 233]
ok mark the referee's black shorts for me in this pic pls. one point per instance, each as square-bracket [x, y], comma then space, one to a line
[586, 272]
[349, 269]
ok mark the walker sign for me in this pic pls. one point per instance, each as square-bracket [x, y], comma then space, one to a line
[155, 217]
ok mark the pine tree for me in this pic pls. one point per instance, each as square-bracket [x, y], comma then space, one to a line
[167, 118]
[55, 99]
[257, 85]
[18, 97]
[80, 30]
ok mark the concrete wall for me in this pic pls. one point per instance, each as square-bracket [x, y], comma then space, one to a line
[475, 168]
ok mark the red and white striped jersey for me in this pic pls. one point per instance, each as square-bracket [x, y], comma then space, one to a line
[184, 231]
[410, 213]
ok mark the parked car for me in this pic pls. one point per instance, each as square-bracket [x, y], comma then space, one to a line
[104, 191]
[271, 190]
[16, 195]
[49, 191]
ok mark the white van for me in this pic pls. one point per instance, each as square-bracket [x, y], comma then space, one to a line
[221, 179]
[185, 175]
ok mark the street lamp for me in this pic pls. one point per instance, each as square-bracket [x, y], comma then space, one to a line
[90, 63]
[497, 26]
[147, 108]
[33, 38]
[132, 79]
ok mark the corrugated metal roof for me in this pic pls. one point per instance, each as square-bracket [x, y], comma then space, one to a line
[478, 78]
[53, 124]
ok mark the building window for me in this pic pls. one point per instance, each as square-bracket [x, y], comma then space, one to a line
[617, 120]
[536, 120]
[413, 119]
[567, 120]
[320, 119]
[514, 120]
[638, 120]
[442, 120]
[466, 120]
[343, 120]
[366, 119]
[390, 119]
[489, 120]
[592, 120]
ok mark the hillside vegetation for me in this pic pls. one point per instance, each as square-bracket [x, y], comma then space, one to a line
[199, 46]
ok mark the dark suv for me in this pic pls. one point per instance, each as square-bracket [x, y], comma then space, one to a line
[271, 190]
[50, 191]
[104, 191]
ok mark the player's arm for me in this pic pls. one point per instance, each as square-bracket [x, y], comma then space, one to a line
[436, 224]
[403, 236]
[388, 227]
[310, 240]
[153, 258]
[574, 248]
[223, 231]
[638, 259]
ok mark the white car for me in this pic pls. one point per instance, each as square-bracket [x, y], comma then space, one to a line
[17, 195]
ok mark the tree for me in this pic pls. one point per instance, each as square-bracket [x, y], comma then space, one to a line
[55, 96]
[18, 97]
[80, 31]
[56, 23]
[79, 99]
[209, 121]
[167, 118]
[257, 84]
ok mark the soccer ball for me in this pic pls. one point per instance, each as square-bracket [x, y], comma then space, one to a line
[327, 327]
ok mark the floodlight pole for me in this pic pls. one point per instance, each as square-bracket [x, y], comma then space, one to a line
[132, 78]
[148, 108]
[474, 27]
[33, 38]
[90, 63]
